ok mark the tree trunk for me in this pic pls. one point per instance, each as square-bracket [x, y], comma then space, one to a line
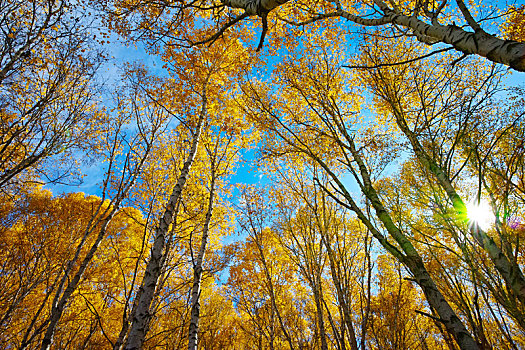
[508, 268]
[413, 261]
[197, 271]
[271, 290]
[320, 319]
[60, 302]
[58, 307]
[347, 319]
[254, 7]
[508, 52]
[409, 256]
[140, 318]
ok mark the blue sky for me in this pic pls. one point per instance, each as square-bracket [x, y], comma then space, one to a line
[110, 74]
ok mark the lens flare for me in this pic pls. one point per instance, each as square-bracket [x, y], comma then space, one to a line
[480, 214]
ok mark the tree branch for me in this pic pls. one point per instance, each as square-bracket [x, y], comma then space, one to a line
[402, 62]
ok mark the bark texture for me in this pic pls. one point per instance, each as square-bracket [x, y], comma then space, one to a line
[254, 7]
[197, 272]
[142, 315]
[407, 255]
[508, 52]
[413, 261]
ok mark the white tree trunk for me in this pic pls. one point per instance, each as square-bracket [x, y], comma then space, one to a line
[60, 301]
[140, 319]
[508, 52]
[197, 272]
[254, 7]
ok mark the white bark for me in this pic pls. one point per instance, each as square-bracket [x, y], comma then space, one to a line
[60, 301]
[197, 272]
[508, 52]
[141, 317]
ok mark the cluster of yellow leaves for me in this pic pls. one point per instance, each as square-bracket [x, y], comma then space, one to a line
[514, 26]
[38, 241]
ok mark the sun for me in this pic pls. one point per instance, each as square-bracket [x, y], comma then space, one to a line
[480, 214]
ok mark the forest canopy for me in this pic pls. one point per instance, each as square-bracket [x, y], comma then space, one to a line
[333, 174]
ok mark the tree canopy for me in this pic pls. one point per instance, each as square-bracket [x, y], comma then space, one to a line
[385, 208]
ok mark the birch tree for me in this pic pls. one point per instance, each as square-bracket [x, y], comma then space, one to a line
[142, 314]
[464, 117]
[222, 144]
[36, 250]
[452, 24]
[345, 249]
[117, 186]
[262, 278]
[199, 73]
[335, 145]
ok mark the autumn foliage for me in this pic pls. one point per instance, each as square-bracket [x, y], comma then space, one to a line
[293, 175]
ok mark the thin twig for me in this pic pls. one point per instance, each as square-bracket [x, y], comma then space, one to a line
[402, 62]
[429, 316]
